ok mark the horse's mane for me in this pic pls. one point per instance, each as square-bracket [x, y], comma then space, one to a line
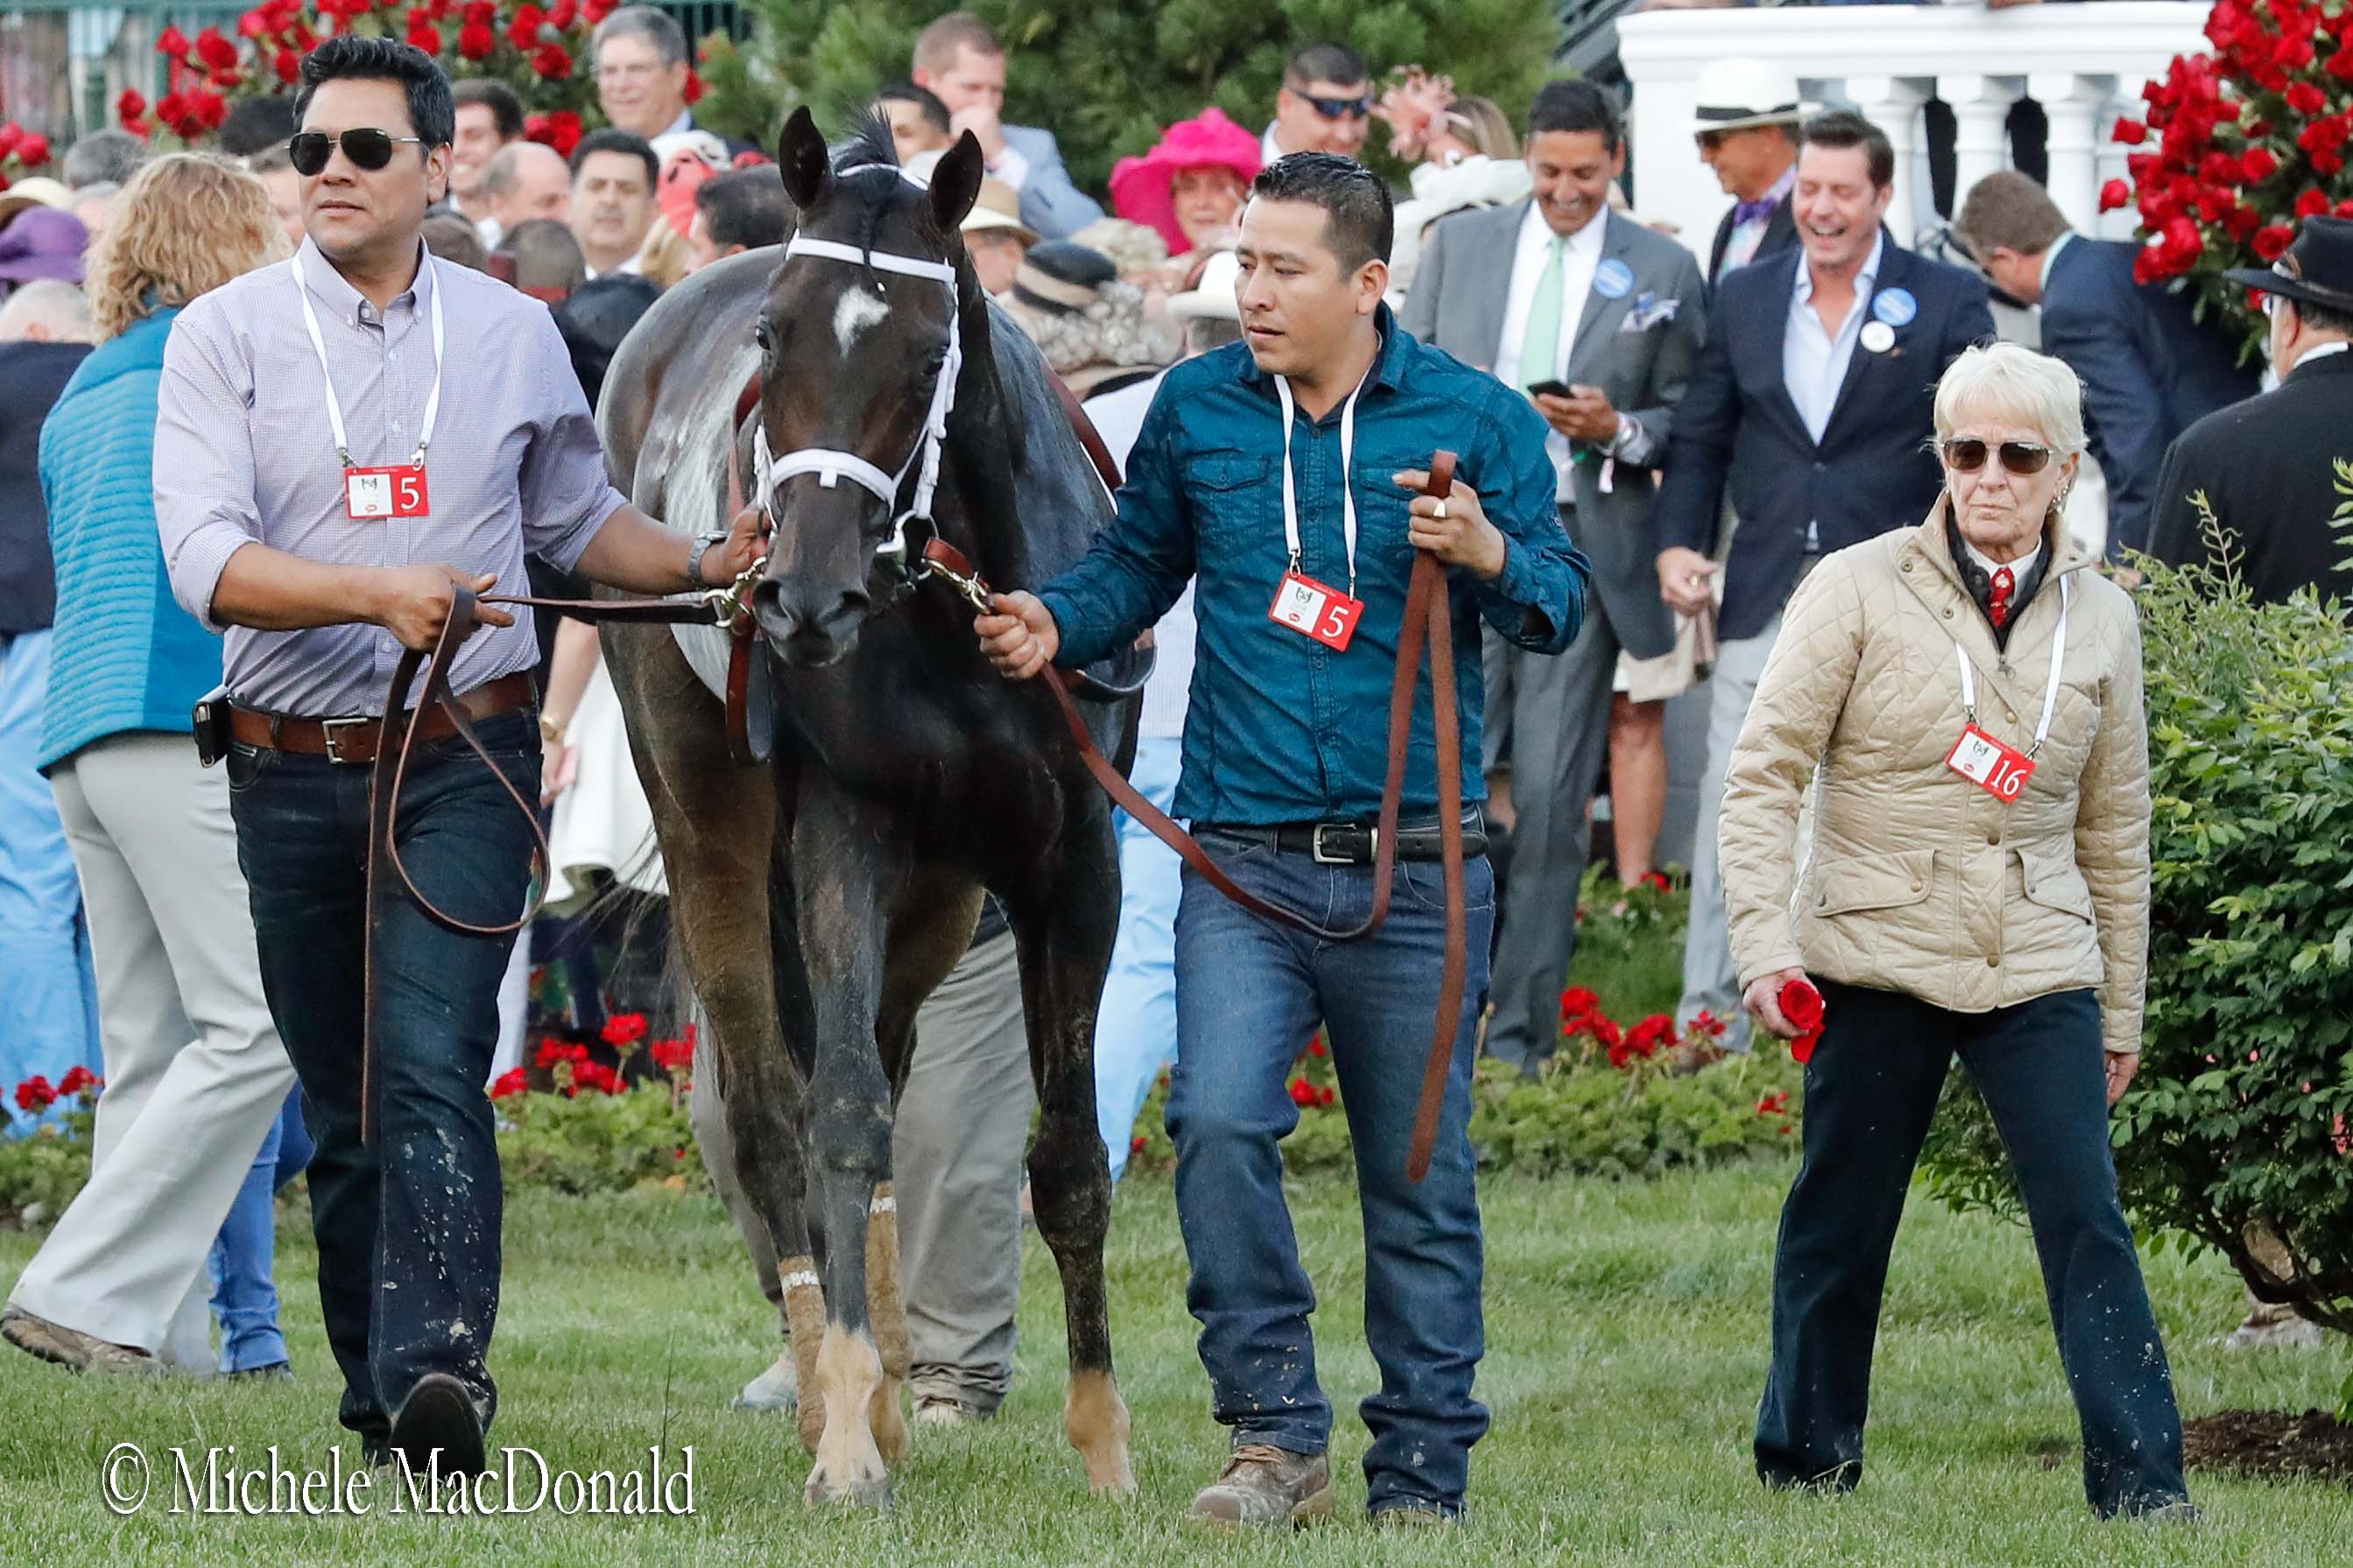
[868, 142]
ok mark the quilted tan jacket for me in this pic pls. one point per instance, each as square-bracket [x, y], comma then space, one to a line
[1915, 879]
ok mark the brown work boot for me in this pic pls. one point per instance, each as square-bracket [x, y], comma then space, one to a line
[1265, 1485]
[70, 1347]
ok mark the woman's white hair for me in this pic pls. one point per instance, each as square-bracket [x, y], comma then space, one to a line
[2007, 380]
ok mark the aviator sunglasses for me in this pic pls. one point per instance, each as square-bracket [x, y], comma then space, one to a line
[366, 146]
[1966, 455]
[1341, 108]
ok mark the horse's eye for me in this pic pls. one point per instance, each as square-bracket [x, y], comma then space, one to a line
[763, 336]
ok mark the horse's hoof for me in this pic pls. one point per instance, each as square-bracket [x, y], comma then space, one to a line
[1122, 1489]
[873, 1495]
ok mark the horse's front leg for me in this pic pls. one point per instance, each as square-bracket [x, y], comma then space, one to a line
[849, 866]
[1065, 929]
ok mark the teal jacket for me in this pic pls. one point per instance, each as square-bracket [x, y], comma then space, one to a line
[125, 655]
[1280, 728]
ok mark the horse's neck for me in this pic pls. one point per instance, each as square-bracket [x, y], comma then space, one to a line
[984, 433]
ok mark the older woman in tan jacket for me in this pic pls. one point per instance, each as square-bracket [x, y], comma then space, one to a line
[1965, 698]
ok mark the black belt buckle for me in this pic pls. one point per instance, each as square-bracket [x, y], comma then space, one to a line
[1363, 848]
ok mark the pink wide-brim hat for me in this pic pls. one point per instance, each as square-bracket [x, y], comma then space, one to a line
[1140, 186]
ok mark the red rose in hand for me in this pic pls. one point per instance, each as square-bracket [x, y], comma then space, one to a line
[1802, 1006]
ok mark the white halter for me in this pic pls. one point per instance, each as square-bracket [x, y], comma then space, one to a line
[832, 466]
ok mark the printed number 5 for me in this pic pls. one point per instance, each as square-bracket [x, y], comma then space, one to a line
[408, 492]
[1336, 622]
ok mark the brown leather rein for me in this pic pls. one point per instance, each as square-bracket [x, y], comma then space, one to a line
[1427, 620]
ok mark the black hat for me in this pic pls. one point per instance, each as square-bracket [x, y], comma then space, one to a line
[2316, 270]
[1062, 274]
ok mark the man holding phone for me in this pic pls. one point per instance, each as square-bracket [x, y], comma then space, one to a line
[1598, 319]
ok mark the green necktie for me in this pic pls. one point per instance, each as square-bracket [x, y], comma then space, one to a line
[1540, 344]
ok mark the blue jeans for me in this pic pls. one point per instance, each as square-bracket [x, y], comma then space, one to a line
[1135, 1027]
[245, 1294]
[51, 1025]
[1249, 995]
[407, 1230]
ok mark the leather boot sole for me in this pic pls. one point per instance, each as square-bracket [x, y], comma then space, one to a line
[439, 1413]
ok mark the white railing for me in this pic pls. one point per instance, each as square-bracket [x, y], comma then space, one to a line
[2084, 63]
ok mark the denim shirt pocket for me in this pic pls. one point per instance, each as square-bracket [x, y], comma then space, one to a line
[1229, 491]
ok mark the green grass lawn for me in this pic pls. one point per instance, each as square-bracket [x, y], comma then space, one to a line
[1626, 1330]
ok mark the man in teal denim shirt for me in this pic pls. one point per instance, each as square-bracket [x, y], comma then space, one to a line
[1285, 732]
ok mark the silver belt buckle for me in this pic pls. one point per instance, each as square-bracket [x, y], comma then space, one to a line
[330, 729]
[1315, 844]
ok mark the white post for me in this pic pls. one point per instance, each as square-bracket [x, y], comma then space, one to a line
[2070, 101]
[1671, 184]
[1894, 103]
[1981, 106]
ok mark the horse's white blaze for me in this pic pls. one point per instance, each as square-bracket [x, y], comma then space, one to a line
[859, 309]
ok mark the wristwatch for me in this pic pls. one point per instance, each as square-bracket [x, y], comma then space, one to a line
[694, 556]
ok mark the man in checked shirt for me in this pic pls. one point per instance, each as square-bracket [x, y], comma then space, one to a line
[341, 440]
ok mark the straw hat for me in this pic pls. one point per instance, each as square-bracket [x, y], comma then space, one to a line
[1216, 297]
[997, 207]
[1743, 94]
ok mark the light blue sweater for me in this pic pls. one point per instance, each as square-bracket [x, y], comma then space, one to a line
[125, 656]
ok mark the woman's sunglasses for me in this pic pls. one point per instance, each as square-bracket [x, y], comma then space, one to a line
[366, 147]
[1966, 455]
[1343, 108]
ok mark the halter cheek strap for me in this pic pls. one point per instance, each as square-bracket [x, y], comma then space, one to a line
[832, 466]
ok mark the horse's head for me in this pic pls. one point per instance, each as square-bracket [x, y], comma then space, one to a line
[860, 352]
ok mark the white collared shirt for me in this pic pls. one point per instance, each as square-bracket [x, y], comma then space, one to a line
[1269, 149]
[2052, 255]
[1530, 257]
[2018, 568]
[1813, 363]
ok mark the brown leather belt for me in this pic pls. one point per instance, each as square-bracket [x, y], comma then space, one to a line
[357, 739]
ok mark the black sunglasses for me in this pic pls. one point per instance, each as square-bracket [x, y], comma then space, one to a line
[366, 146]
[1341, 108]
[1966, 455]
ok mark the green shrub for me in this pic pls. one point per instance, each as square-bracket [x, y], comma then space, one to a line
[1108, 77]
[41, 1171]
[2243, 1111]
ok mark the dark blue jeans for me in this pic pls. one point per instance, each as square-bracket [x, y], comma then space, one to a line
[408, 1231]
[1870, 1091]
[1250, 993]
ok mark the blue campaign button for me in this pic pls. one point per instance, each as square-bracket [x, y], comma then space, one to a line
[1894, 305]
[1613, 278]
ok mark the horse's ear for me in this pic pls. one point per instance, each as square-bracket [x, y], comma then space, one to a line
[955, 182]
[801, 153]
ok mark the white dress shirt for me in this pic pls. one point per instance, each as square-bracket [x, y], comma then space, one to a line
[1814, 364]
[1531, 256]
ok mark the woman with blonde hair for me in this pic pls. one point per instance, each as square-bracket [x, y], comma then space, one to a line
[195, 1075]
[1963, 698]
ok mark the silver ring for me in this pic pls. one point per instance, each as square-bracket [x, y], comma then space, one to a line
[1440, 513]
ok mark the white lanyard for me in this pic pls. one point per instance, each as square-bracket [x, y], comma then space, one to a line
[334, 409]
[1347, 493]
[2050, 688]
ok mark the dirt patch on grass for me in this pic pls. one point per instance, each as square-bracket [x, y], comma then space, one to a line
[2272, 1444]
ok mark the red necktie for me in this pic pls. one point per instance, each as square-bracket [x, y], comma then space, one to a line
[1998, 599]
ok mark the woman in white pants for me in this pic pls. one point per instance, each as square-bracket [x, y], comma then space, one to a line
[195, 1071]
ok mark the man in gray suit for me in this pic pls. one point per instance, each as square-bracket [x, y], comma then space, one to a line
[958, 57]
[1557, 289]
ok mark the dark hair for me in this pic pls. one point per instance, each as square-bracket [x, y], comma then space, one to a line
[2321, 318]
[1360, 222]
[347, 57]
[934, 111]
[506, 108]
[453, 239]
[256, 124]
[1324, 62]
[1843, 127]
[594, 318]
[547, 255]
[614, 140]
[746, 206]
[1568, 104]
[103, 157]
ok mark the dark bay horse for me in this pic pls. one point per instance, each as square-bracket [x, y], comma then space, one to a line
[819, 899]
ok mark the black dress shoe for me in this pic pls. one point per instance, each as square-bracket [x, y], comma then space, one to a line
[438, 1413]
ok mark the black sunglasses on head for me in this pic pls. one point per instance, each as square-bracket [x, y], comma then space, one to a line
[1341, 108]
[366, 146]
[1966, 455]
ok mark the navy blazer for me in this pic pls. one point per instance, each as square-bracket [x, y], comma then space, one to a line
[1738, 425]
[2149, 370]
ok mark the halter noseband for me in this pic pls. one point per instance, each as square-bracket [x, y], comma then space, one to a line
[831, 465]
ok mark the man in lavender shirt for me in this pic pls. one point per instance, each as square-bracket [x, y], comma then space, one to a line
[341, 439]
